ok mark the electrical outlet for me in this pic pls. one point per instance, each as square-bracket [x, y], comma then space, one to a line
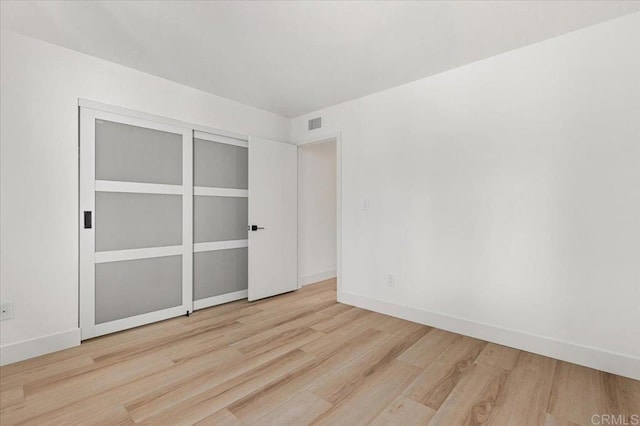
[6, 311]
[391, 281]
[365, 205]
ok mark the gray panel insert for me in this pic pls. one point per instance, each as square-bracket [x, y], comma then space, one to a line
[133, 287]
[137, 154]
[220, 165]
[127, 221]
[219, 272]
[219, 218]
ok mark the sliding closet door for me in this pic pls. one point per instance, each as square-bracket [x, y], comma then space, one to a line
[220, 219]
[136, 255]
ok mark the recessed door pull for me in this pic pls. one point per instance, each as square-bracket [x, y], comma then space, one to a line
[87, 220]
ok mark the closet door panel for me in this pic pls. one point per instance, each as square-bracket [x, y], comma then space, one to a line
[220, 165]
[128, 221]
[134, 287]
[137, 154]
[220, 218]
[136, 216]
[219, 272]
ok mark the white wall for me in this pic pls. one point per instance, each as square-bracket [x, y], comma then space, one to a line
[40, 85]
[504, 196]
[317, 212]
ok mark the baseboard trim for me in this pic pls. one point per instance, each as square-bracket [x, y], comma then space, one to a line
[314, 278]
[623, 365]
[32, 348]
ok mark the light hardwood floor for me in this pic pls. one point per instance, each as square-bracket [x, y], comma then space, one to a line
[302, 358]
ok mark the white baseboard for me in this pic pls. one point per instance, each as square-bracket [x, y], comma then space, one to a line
[32, 348]
[314, 278]
[623, 365]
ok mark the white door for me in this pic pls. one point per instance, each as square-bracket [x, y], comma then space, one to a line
[273, 215]
[136, 249]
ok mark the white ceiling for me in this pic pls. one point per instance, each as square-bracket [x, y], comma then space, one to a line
[296, 57]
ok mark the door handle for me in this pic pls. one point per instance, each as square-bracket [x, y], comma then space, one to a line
[87, 220]
[255, 227]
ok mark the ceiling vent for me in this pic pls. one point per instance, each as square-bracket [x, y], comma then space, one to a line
[315, 123]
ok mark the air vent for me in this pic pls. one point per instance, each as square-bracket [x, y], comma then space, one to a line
[315, 123]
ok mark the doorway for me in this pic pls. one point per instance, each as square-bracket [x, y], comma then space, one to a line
[318, 210]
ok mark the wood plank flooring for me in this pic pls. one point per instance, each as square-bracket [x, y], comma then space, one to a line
[301, 358]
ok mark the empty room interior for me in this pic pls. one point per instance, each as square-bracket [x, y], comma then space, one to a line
[320, 212]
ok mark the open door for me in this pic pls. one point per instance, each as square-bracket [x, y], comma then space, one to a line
[273, 217]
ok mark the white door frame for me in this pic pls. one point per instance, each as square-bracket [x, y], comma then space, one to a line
[328, 137]
[158, 119]
[88, 257]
